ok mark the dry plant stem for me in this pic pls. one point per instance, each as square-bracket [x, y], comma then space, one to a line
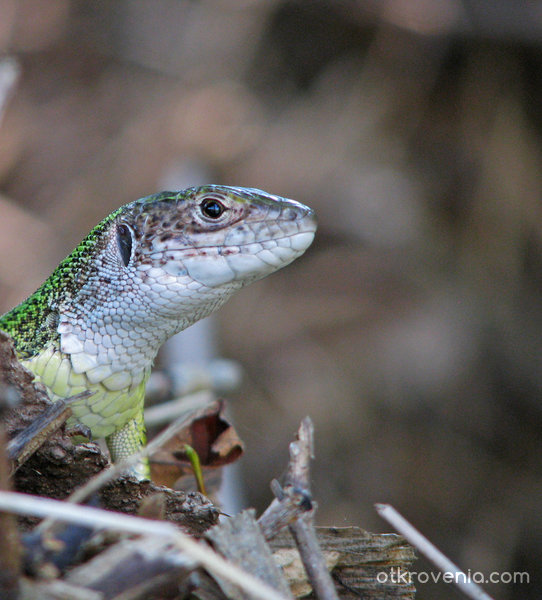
[301, 453]
[55, 589]
[25, 443]
[135, 569]
[280, 513]
[10, 548]
[314, 562]
[302, 529]
[24, 504]
[178, 408]
[431, 552]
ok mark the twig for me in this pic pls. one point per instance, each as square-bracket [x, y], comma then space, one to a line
[179, 408]
[297, 489]
[313, 560]
[26, 442]
[10, 548]
[24, 504]
[431, 552]
[284, 509]
[136, 570]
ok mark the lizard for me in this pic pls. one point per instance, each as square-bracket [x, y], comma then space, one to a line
[148, 270]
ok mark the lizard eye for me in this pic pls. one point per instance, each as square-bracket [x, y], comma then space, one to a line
[212, 209]
[124, 241]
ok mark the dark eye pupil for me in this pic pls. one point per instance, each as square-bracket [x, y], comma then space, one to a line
[124, 240]
[212, 208]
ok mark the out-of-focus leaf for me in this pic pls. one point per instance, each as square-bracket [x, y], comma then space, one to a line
[210, 434]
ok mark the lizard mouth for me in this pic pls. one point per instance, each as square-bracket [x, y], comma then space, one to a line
[294, 244]
[298, 241]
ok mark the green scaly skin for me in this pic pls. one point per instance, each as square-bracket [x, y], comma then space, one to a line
[147, 271]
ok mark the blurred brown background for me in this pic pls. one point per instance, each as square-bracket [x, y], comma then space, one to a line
[411, 330]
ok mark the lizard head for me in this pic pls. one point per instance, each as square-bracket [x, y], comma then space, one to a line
[190, 250]
[181, 255]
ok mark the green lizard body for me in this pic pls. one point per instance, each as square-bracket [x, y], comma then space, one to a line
[147, 271]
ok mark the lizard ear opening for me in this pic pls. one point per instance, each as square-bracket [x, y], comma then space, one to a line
[124, 241]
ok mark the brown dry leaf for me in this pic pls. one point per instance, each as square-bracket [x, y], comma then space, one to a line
[210, 434]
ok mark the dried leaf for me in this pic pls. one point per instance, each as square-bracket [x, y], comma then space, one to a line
[211, 435]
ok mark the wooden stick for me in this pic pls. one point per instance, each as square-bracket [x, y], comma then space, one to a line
[297, 489]
[21, 447]
[25, 504]
[431, 552]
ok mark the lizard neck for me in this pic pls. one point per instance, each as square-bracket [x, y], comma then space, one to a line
[112, 335]
[106, 410]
